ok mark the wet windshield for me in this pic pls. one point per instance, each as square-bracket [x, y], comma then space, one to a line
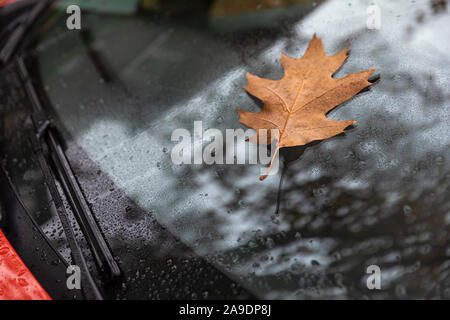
[376, 195]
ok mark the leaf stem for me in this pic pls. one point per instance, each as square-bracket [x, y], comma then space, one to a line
[271, 164]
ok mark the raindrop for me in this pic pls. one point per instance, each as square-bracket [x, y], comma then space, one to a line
[337, 256]
[407, 210]
[252, 244]
[270, 243]
[400, 291]
[315, 263]
[22, 282]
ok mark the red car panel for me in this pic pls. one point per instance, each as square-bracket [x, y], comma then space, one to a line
[16, 281]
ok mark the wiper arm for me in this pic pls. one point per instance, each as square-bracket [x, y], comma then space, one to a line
[46, 134]
[19, 32]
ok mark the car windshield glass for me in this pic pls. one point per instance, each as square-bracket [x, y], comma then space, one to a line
[376, 195]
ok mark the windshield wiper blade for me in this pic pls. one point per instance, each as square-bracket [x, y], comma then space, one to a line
[47, 133]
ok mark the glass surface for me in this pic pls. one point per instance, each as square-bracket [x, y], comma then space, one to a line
[377, 194]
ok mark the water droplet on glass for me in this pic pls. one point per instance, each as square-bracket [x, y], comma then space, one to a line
[270, 243]
[407, 210]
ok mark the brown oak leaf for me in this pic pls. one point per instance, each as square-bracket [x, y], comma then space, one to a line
[297, 104]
